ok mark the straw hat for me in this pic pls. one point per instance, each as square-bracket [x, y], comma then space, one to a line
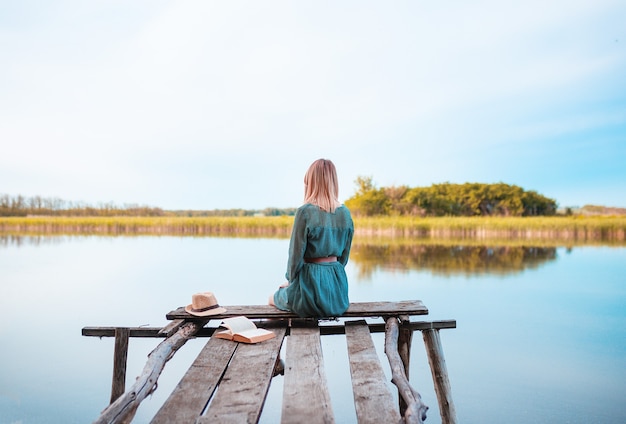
[204, 304]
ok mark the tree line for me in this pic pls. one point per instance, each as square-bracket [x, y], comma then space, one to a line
[233, 212]
[447, 199]
[52, 206]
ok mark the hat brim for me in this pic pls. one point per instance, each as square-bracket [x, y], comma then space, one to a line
[216, 311]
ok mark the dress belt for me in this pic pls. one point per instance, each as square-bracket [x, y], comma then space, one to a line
[320, 260]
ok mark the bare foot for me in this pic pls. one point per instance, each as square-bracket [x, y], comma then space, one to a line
[270, 301]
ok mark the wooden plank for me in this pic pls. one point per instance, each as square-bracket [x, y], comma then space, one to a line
[439, 371]
[171, 328]
[363, 309]
[242, 391]
[120, 353]
[405, 338]
[326, 329]
[404, 351]
[380, 327]
[373, 401]
[110, 332]
[305, 393]
[194, 390]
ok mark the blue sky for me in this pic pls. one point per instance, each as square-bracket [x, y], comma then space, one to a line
[214, 105]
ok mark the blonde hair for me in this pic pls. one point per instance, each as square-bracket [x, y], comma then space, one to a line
[321, 187]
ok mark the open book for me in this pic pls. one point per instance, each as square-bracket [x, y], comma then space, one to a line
[241, 329]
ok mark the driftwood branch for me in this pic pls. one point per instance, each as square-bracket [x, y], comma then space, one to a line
[415, 408]
[124, 408]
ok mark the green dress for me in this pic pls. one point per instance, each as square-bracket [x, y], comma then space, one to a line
[317, 289]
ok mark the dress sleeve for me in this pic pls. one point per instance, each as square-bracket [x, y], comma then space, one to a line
[345, 254]
[297, 246]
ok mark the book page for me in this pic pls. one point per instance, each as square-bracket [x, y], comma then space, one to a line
[254, 336]
[238, 324]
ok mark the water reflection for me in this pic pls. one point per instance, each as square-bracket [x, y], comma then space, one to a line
[449, 260]
[13, 240]
[40, 239]
[373, 255]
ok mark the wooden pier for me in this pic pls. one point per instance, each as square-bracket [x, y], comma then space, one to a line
[243, 372]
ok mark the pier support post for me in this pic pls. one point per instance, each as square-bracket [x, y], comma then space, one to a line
[405, 337]
[432, 340]
[119, 362]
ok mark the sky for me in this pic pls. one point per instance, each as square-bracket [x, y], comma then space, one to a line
[220, 105]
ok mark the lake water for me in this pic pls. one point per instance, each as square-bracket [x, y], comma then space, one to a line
[540, 337]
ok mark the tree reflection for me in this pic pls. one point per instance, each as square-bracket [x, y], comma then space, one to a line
[449, 260]
[12, 240]
[453, 258]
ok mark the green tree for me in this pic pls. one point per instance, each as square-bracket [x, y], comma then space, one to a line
[369, 200]
[446, 199]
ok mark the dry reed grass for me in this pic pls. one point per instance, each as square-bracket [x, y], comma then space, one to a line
[571, 229]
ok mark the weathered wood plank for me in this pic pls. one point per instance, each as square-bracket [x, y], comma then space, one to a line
[244, 386]
[305, 392]
[120, 353]
[171, 328]
[404, 350]
[372, 399]
[439, 371]
[380, 327]
[194, 390]
[110, 332]
[326, 329]
[362, 309]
